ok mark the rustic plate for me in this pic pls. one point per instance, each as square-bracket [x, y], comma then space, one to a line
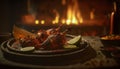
[75, 56]
[43, 52]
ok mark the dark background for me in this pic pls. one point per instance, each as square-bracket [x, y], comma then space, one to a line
[10, 12]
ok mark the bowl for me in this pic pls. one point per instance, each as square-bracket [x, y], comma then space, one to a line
[111, 40]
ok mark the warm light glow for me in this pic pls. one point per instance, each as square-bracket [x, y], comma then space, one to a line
[39, 33]
[53, 22]
[63, 2]
[73, 14]
[36, 21]
[68, 22]
[42, 22]
[92, 16]
[81, 20]
[63, 21]
[56, 20]
[74, 21]
[114, 3]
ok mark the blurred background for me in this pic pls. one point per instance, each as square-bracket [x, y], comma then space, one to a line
[91, 16]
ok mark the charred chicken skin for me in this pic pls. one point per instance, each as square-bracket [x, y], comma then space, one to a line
[46, 39]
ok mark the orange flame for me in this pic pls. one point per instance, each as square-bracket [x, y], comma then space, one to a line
[56, 20]
[73, 13]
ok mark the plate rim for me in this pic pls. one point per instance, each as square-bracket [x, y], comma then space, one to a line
[46, 55]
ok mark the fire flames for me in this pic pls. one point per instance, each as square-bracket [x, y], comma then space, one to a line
[67, 12]
[73, 15]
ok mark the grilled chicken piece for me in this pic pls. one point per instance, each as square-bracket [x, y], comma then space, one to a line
[49, 39]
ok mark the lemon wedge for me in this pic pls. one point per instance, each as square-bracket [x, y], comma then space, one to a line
[74, 40]
[70, 46]
[27, 49]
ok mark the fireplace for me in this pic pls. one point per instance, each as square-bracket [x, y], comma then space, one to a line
[80, 16]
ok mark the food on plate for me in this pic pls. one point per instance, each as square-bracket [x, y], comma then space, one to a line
[26, 49]
[70, 46]
[45, 39]
[21, 33]
[75, 40]
[49, 39]
[111, 37]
